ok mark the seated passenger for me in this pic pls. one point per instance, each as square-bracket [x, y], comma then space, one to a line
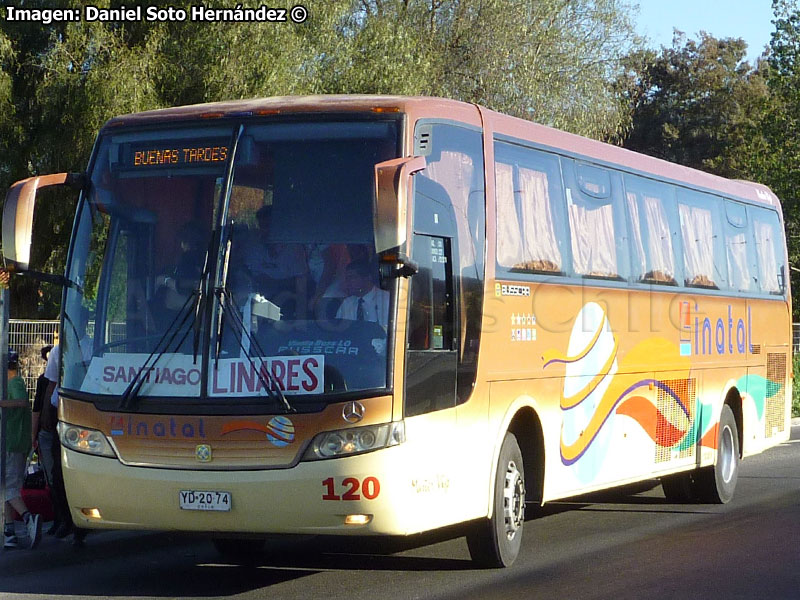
[365, 300]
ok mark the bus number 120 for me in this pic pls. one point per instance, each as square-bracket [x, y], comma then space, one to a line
[370, 488]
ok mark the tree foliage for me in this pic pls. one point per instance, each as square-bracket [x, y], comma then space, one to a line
[553, 61]
[778, 165]
[700, 104]
[695, 103]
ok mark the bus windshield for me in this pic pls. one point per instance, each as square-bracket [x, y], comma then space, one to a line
[229, 264]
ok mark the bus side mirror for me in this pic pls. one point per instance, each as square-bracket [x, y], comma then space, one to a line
[18, 215]
[390, 215]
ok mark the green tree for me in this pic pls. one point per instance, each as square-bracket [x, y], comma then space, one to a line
[553, 61]
[697, 103]
[778, 164]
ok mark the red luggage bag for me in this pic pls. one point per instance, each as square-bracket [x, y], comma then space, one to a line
[36, 494]
[38, 502]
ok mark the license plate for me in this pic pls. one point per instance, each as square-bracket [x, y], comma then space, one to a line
[201, 500]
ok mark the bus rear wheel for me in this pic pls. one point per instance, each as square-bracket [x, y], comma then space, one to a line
[495, 542]
[716, 484]
[680, 487]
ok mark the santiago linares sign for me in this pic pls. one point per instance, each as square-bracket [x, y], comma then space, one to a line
[177, 375]
[198, 12]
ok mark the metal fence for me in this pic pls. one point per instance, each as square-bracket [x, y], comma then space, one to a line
[795, 337]
[27, 338]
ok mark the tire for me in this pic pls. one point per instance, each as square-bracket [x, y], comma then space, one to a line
[495, 542]
[715, 485]
[680, 487]
[239, 550]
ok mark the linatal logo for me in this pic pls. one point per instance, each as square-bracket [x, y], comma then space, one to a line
[701, 335]
[160, 428]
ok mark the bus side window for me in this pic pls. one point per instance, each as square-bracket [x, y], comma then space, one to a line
[702, 249]
[653, 255]
[769, 250]
[595, 217]
[529, 194]
[738, 248]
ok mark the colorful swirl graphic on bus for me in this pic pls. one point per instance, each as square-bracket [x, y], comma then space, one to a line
[599, 384]
[279, 430]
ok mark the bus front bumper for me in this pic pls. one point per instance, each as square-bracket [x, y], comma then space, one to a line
[310, 498]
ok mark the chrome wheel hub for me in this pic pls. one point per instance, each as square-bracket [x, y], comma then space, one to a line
[513, 500]
[727, 461]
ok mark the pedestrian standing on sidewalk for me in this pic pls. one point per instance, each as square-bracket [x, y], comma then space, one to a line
[18, 445]
[44, 433]
[59, 493]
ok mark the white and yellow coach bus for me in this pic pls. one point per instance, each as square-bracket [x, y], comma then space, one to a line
[386, 315]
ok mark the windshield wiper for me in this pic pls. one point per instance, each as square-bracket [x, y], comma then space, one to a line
[268, 381]
[131, 393]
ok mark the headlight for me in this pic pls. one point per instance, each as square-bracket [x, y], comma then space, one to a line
[88, 441]
[356, 440]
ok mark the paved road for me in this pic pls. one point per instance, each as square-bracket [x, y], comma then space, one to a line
[613, 545]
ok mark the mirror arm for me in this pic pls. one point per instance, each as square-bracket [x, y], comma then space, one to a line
[75, 181]
[408, 268]
[397, 264]
[58, 280]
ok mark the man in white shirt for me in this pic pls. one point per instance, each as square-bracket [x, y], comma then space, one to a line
[59, 494]
[51, 374]
[365, 300]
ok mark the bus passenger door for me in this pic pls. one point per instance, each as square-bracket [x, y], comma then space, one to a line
[430, 379]
[431, 354]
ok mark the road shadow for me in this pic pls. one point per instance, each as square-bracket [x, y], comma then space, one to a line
[642, 494]
[163, 565]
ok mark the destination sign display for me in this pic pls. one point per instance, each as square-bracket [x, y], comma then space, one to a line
[191, 153]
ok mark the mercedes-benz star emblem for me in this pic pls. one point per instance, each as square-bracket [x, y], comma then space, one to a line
[353, 412]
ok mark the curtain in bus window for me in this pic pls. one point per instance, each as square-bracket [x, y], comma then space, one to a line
[659, 242]
[767, 259]
[698, 249]
[638, 260]
[738, 270]
[509, 239]
[594, 250]
[541, 248]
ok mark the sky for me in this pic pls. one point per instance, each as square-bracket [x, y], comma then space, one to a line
[748, 19]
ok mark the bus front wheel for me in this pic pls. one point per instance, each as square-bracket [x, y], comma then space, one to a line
[495, 542]
[716, 484]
